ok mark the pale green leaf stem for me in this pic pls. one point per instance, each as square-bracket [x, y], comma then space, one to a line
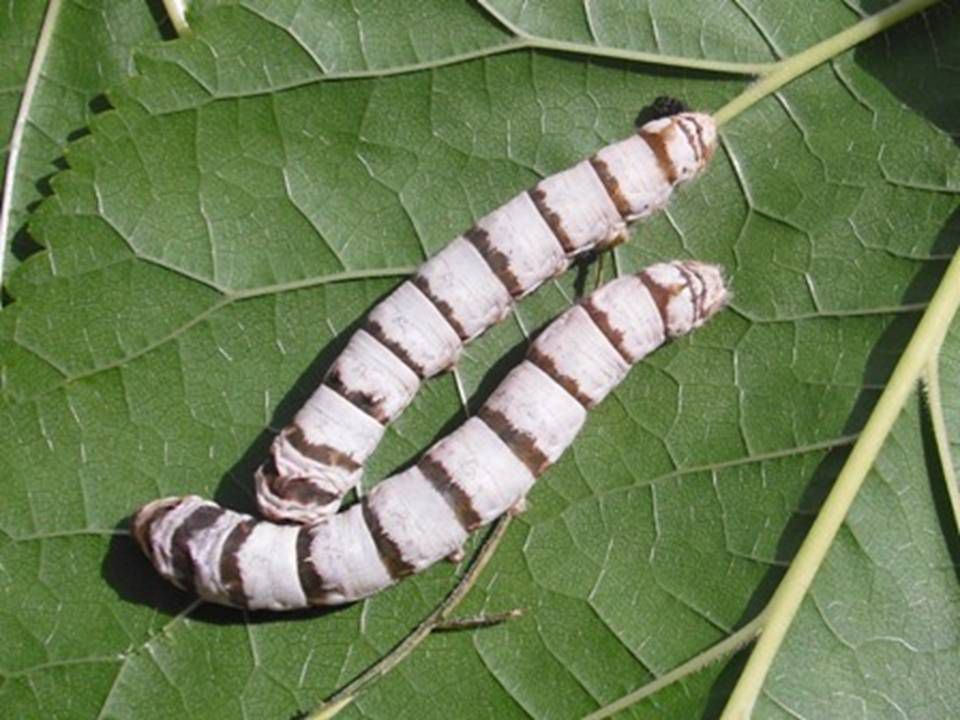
[793, 67]
[177, 12]
[478, 621]
[772, 623]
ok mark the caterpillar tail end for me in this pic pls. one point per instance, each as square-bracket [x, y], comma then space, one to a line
[144, 519]
[154, 526]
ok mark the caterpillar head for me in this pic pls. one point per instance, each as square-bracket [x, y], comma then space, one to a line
[708, 289]
[687, 292]
[704, 133]
[662, 106]
[683, 143]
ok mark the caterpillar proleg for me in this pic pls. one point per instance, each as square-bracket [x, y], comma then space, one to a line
[419, 330]
[470, 477]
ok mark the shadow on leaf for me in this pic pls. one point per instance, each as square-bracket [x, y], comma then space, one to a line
[920, 76]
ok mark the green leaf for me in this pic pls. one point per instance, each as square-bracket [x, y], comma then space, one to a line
[261, 184]
[56, 59]
[878, 634]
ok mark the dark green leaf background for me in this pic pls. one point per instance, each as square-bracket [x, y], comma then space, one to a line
[261, 184]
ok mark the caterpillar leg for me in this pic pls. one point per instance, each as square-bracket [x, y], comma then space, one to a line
[519, 507]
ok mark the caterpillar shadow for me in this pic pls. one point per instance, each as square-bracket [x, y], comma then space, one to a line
[907, 60]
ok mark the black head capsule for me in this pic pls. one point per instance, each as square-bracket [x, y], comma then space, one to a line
[662, 106]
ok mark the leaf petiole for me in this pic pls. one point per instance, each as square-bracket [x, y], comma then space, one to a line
[434, 621]
[742, 637]
[526, 40]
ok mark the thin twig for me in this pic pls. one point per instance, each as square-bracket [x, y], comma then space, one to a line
[714, 653]
[478, 621]
[440, 615]
[598, 281]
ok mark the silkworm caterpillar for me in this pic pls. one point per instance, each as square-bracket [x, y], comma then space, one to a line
[466, 480]
[420, 329]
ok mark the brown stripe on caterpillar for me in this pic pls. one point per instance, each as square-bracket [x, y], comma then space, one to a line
[321, 453]
[374, 328]
[601, 320]
[416, 518]
[304, 491]
[388, 549]
[367, 402]
[546, 363]
[522, 444]
[458, 500]
[658, 145]
[612, 186]
[310, 580]
[661, 297]
[498, 262]
[180, 558]
[423, 285]
[230, 577]
[553, 220]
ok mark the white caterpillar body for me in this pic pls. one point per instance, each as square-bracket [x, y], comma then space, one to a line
[485, 467]
[420, 329]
